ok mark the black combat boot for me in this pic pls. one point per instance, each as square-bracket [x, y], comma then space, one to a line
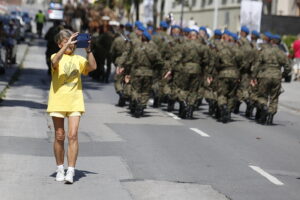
[132, 106]
[171, 104]
[138, 111]
[199, 103]
[249, 110]
[156, 102]
[263, 115]
[190, 111]
[270, 117]
[183, 109]
[258, 113]
[224, 114]
[217, 110]
[237, 107]
[211, 107]
[122, 99]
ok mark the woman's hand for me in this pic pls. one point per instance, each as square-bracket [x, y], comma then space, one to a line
[88, 49]
[72, 39]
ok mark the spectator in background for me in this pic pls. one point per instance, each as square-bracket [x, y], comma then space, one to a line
[40, 19]
[296, 48]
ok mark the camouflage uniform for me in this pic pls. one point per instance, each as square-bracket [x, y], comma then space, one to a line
[163, 42]
[194, 57]
[174, 65]
[248, 58]
[118, 47]
[267, 71]
[143, 61]
[210, 89]
[125, 61]
[228, 77]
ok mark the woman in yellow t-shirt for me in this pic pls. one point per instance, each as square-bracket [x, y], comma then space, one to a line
[66, 99]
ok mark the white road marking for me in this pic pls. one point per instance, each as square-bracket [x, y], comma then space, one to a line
[271, 178]
[174, 116]
[200, 132]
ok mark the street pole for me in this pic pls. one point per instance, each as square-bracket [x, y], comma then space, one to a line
[216, 10]
[181, 17]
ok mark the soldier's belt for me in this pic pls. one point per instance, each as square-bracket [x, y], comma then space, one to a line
[192, 68]
[143, 72]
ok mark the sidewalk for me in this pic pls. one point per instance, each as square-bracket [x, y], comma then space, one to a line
[10, 71]
[290, 99]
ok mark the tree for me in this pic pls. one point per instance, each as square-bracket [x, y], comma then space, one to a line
[162, 8]
[155, 13]
[137, 8]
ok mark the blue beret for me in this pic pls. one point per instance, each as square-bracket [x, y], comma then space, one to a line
[203, 28]
[186, 30]
[147, 35]
[234, 36]
[268, 34]
[276, 37]
[138, 23]
[164, 24]
[176, 26]
[256, 33]
[245, 29]
[194, 30]
[141, 28]
[128, 25]
[150, 28]
[227, 32]
[218, 32]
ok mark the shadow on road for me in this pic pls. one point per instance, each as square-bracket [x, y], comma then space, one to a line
[23, 103]
[78, 174]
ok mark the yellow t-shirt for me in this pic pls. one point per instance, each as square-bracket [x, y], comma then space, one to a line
[66, 87]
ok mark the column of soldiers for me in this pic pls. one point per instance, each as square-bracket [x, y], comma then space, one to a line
[187, 67]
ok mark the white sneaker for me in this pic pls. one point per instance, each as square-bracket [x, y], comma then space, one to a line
[60, 175]
[69, 176]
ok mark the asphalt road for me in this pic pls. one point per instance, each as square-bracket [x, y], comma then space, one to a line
[156, 157]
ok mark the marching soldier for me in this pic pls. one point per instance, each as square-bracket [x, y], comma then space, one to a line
[143, 60]
[267, 76]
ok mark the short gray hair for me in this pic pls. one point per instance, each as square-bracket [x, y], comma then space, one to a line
[63, 34]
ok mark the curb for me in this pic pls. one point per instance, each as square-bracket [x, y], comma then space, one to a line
[15, 75]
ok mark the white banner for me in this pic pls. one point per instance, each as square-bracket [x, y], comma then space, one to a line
[251, 14]
[148, 11]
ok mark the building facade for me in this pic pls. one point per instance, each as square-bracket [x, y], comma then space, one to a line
[202, 11]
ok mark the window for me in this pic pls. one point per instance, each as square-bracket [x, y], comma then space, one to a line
[210, 2]
[224, 2]
[203, 2]
[194, 2]
[174, 4]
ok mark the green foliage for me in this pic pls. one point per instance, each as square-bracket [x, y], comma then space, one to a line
[288, 40]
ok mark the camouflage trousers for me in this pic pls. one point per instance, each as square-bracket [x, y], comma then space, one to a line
[141, 89]
[209, 90]
[243, 91]
[119, 80]
[268, 91]
[226, 91]
[121, 86]
[187, 88]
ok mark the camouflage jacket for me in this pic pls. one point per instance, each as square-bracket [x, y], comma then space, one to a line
[269, 63]
[227, 59]
[143, 59]
[194, 57]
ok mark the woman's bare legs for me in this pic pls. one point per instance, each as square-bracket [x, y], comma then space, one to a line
[73, 140]
[59, 140]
